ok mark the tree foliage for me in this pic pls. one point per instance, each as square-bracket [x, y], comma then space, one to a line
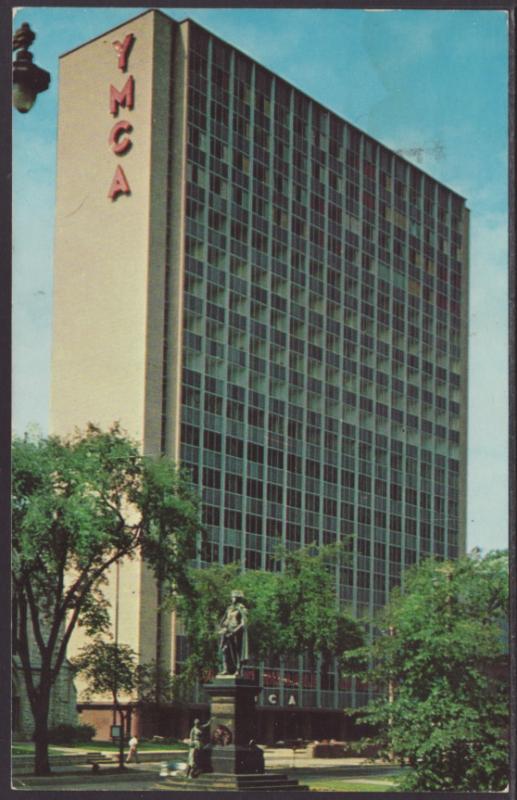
[291, 612]
[156, 684]
[308, 617]
[112, 668]
[438, 667]
[79, 506]
[107, 667]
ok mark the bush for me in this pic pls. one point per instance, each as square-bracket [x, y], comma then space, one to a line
[71, 734]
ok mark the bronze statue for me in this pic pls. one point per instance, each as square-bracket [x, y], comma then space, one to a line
[234, 635]
[195, 747]
[222, 736]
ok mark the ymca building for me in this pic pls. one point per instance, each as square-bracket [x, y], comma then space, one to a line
[266, 294]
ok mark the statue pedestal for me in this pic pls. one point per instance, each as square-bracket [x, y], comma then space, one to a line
[232, 705]
[231, 764]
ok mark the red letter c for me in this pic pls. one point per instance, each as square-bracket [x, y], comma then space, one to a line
[120, 147]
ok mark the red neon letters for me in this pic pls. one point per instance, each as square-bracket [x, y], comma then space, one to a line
[121, 98]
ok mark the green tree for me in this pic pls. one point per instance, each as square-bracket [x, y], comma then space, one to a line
[111, 668]
[291, 612]
[155, 684]
[438, 667]
[108, 667]
[308, 619]
[79, 506]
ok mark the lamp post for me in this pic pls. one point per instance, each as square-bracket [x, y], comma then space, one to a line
[116, 703]
[28, 79]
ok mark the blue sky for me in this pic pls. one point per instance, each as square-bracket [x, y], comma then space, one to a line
[432, 84]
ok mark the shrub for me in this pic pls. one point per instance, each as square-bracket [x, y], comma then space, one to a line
[71, 734]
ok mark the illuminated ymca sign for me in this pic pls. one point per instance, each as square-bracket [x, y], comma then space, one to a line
[118, 139]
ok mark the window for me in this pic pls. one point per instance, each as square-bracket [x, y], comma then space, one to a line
[274, 527]
[312, 468]
[395, 491]
[211, 478]
[254, 488]
[275, 458]
[232, 519]
[253, 559]
[294, 498]
[212, 441]
[255, 453]
[189, 435]
[312, 502]
[211, 515]
[234, 446]
[274, 493]
[233, 483]
[213, 404]
[253, 524]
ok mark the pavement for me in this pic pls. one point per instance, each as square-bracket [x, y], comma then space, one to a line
[72, 775]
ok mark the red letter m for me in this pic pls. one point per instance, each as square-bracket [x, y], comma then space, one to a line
[126, 96]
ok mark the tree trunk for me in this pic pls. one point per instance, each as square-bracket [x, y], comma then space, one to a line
[41, 760]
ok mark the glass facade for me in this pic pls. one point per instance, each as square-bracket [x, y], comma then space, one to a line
[323, 360]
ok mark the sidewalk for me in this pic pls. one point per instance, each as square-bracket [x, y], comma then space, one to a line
[72, 769]
[75, 758]
[302, 763]
[275, 758]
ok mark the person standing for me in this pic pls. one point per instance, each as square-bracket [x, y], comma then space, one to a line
[133, 750]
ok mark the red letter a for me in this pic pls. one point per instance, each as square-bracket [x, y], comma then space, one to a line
[119, 184]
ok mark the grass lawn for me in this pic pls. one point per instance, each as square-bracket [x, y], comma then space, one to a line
[343, 785]
[141, 746]
[26, 748]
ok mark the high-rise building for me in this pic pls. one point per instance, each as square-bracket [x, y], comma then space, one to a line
[260, 290]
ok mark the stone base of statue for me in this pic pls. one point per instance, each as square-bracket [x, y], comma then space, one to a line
[232, 708]
[217, 782]
[233, 761]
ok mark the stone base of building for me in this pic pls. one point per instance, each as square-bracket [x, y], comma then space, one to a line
[272, 724]
[220, 782]
[103, 715]
[63, 700]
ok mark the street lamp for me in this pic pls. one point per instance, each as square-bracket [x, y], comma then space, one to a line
[28, 79]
